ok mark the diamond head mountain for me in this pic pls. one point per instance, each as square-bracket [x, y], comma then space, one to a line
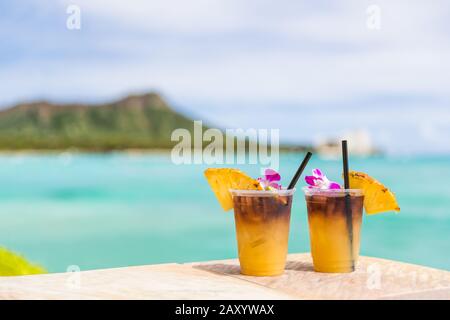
[135, 122]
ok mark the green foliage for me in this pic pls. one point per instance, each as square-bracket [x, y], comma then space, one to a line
[12, 264]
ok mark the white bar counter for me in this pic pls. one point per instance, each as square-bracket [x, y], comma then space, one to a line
[374, 279]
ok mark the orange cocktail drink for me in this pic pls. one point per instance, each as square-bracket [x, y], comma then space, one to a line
[334, 229]
[262, 230]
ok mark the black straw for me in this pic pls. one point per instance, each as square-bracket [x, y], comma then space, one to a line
[345, 161]
[348, 208]
[299, 171]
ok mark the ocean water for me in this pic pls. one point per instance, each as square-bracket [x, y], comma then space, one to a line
[113, 210]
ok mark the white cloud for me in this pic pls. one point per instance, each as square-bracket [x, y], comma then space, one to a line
[323, 54]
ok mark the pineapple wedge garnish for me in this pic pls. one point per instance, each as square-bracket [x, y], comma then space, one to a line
[222, 180]
[377, 198]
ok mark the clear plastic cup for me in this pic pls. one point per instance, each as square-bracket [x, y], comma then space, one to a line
[334, 232]
[262, 230]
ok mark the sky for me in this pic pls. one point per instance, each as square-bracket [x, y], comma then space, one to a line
[313, 69]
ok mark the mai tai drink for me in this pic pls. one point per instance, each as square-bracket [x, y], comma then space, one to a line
[262, 230]
[335, 216]
[334, 228]
[262, 212]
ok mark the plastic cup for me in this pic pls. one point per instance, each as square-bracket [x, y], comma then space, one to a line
[334, 232]
[262, 230]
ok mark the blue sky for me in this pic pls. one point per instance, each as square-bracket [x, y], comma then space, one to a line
[310, 68]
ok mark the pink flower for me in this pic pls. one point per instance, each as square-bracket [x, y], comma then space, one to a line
[320, 181]
[271, 179]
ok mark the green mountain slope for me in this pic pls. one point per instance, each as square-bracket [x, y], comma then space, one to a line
[144, 121]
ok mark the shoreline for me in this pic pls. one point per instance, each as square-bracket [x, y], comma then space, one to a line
[167, 151]
[82, 151]
[94, 151]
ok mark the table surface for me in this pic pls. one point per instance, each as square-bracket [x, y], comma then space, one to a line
[374, 278]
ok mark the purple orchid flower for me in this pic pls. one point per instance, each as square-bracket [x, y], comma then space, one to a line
[270, 180]
[320, 181]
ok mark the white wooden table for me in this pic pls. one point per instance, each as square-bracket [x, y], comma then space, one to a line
[374, 279]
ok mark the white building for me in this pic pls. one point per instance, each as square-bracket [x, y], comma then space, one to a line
[359, 144]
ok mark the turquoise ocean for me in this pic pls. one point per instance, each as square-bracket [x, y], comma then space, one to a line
[113, 210]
